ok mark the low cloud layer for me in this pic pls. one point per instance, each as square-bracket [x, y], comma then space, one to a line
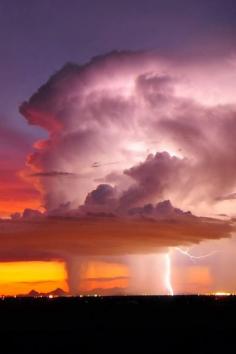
[154, 229]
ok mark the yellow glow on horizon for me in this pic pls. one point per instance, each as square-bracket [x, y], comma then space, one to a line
[22, 277]
[222, 293]
[31, 271]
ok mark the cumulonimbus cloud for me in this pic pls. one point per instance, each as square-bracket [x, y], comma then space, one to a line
[134, 129]
[135, 109]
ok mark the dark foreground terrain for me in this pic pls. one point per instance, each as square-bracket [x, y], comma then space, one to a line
[185, 324]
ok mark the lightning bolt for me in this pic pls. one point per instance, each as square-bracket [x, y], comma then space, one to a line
[186, 253]
[168, 285]
[192, 257]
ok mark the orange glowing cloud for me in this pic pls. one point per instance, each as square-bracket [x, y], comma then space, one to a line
[56, 237]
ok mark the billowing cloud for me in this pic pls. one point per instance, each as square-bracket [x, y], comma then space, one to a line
[139, 119]
[154, 177]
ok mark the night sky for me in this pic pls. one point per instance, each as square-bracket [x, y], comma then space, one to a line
[37, 38]
[83, 141]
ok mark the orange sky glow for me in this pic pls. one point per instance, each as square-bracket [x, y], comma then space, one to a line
[16, 194]
[22, 277]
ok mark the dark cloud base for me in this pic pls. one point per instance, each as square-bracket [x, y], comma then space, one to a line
[59, 238]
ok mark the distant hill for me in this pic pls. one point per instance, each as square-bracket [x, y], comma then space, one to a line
[56, 292]
[60, 292]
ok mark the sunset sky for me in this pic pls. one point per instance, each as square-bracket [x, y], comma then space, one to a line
[117, 146]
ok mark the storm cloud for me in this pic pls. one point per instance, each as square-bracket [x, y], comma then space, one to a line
[40, 237]
[135, 109]
[137, 132]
